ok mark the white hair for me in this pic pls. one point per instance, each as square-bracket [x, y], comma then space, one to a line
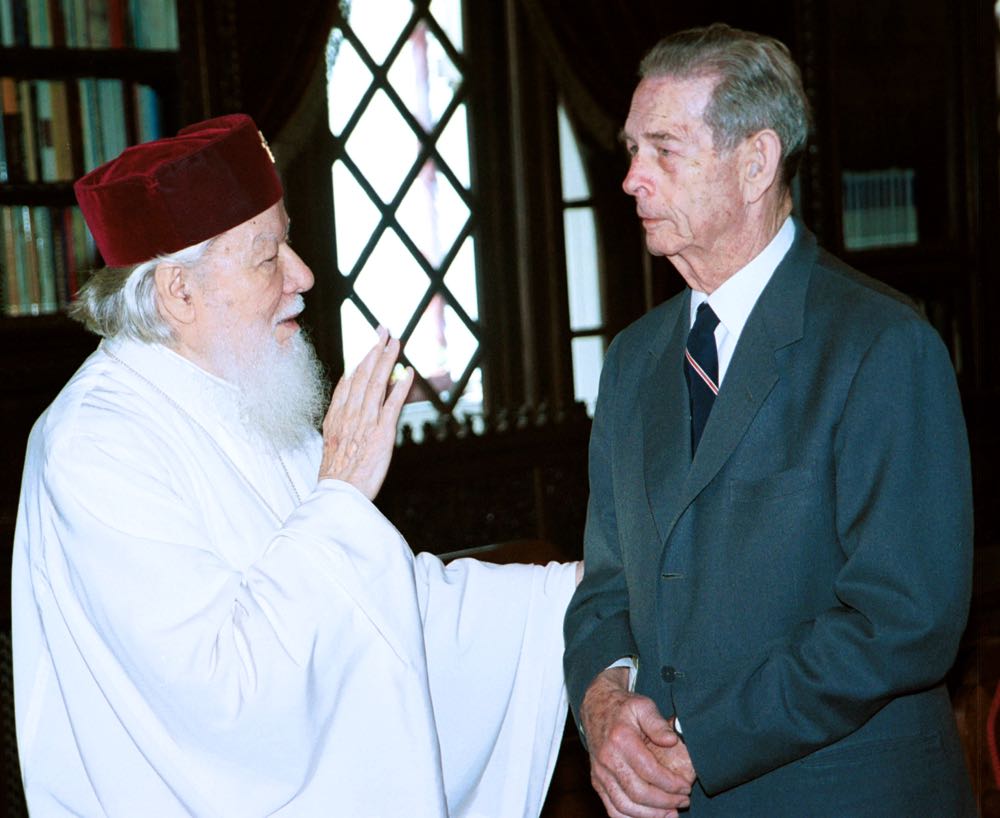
[120, 302]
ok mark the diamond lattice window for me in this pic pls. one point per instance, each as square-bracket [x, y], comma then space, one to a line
[401, 193]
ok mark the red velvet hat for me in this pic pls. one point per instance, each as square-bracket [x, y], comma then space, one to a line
[165, 195]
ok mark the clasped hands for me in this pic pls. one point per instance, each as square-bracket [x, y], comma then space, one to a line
[359, 430]
[638, 764]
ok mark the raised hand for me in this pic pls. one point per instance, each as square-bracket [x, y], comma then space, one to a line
[359, 430]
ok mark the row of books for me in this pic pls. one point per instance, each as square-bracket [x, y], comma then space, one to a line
[45, 256]
[57, 130]
[880, 208]
[147, 24]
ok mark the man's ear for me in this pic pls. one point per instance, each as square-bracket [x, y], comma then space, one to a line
[173, 293]
[760, 164]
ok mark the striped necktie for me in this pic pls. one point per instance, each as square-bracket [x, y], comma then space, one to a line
[701, 367]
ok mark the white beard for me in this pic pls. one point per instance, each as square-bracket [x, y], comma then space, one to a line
[283, 390]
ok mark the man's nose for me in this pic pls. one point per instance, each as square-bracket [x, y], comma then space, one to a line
[636, 179]
[298, 277]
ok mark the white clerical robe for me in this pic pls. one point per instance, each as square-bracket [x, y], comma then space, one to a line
[202, 629]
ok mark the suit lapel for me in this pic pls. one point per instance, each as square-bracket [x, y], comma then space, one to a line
[673, 481]
[666, 418]
[775, 322]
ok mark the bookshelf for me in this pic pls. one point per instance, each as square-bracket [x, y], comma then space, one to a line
[75, 93]
[80, 80]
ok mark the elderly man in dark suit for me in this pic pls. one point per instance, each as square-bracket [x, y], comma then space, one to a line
[779, 539]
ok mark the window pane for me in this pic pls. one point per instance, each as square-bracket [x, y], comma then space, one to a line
[355, 217]
[424, 77]
[581, 269]
[453, 145]
[383, 146]
[378, 24]
[448, 14]
[391, 283]
[348, 75]
[432, 214]
[441, 346]
[359, 336]
[461, 344]
[461, 279]
[574, 180]
[588, 356]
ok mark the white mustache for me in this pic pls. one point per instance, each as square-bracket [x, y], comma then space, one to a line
[295, 308]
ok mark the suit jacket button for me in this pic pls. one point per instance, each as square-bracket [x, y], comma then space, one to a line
[668, 673]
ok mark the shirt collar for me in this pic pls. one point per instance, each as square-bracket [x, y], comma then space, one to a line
[735, 299]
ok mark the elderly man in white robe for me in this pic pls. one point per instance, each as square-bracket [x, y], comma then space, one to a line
[210, 616]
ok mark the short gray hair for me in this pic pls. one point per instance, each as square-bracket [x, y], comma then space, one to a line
[121, 301]
[759, 86]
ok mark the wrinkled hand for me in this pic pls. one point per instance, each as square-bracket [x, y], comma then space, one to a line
[359, 430]
[638, 764]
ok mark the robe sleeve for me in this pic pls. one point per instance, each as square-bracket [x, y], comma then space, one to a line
[494, 649]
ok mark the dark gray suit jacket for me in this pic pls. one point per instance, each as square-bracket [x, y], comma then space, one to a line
[796, 594]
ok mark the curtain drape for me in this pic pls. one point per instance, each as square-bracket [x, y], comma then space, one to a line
[594, 51]
[278, 46]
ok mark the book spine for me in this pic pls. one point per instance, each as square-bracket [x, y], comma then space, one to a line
[76, 21]
[11, 286]
[148, 113]
[4, 174]
[13, 130]
[58, 235]
[70, 23]
[116, 23]
[41, 219]
[8, 36]
[98, 24]
[57, 23]
[21, 36]
[139, 23]
[27, 261]
[39, 34]
[114, 138]
[29, 139]
[61, 138]
[45, 131]
[74, 141]
[90, 127]
[171, 33]
[154, 24]
[130, 110]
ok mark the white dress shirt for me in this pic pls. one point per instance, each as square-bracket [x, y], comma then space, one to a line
[735, 299]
